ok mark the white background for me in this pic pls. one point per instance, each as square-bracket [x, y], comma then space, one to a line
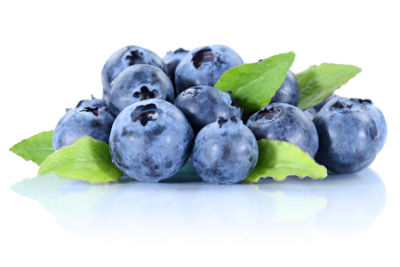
[51, 56]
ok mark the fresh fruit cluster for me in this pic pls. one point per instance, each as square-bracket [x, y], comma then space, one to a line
[158, 113]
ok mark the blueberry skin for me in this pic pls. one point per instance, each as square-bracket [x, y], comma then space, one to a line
[150, 140]
[172, 59]
[204, 66]
[123, 58]
[281, 121]
[89, 118]
[348, 135]
[312, 112]
[289, 92]
[377, 115]
[203, 105]
[136, 83]
[320, 105]
[92, 103]
[225, 151]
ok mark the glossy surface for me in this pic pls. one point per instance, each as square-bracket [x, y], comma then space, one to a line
[131, 209]
[51, 56]
[339, 212]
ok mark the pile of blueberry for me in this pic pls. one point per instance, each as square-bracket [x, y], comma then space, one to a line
[157, 113]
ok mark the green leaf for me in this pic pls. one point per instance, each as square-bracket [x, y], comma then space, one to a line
[255, 84]
[279, 159]
[87, 159]
[36, 148]
[319, 82]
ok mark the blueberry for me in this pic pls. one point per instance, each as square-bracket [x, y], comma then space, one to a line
[285, 122]
[150, 140]
[225, 151]
[289, 92]
[93, 103]
[312, 112]
[125, 57]
[204, 66]
[204, 104]
[348, 134]
[377, 115]
[319, 106]
[136, 83]
[89, 118]
[172, 59]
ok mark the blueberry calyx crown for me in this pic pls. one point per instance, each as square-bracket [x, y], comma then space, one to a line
[360, 101]
[133, 57]
[179, 50]
[95, 111]
[79, 103]
[267, 113]
[145, 113]
[202, 56]
[341, 105]
[145, 93]
[221, 120]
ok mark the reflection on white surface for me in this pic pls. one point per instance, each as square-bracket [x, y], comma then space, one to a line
[336, 207]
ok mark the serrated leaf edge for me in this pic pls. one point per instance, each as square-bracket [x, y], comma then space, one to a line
[260, 63]
[298, 176]
[74, 178]
[357, 71]
[12, 149]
